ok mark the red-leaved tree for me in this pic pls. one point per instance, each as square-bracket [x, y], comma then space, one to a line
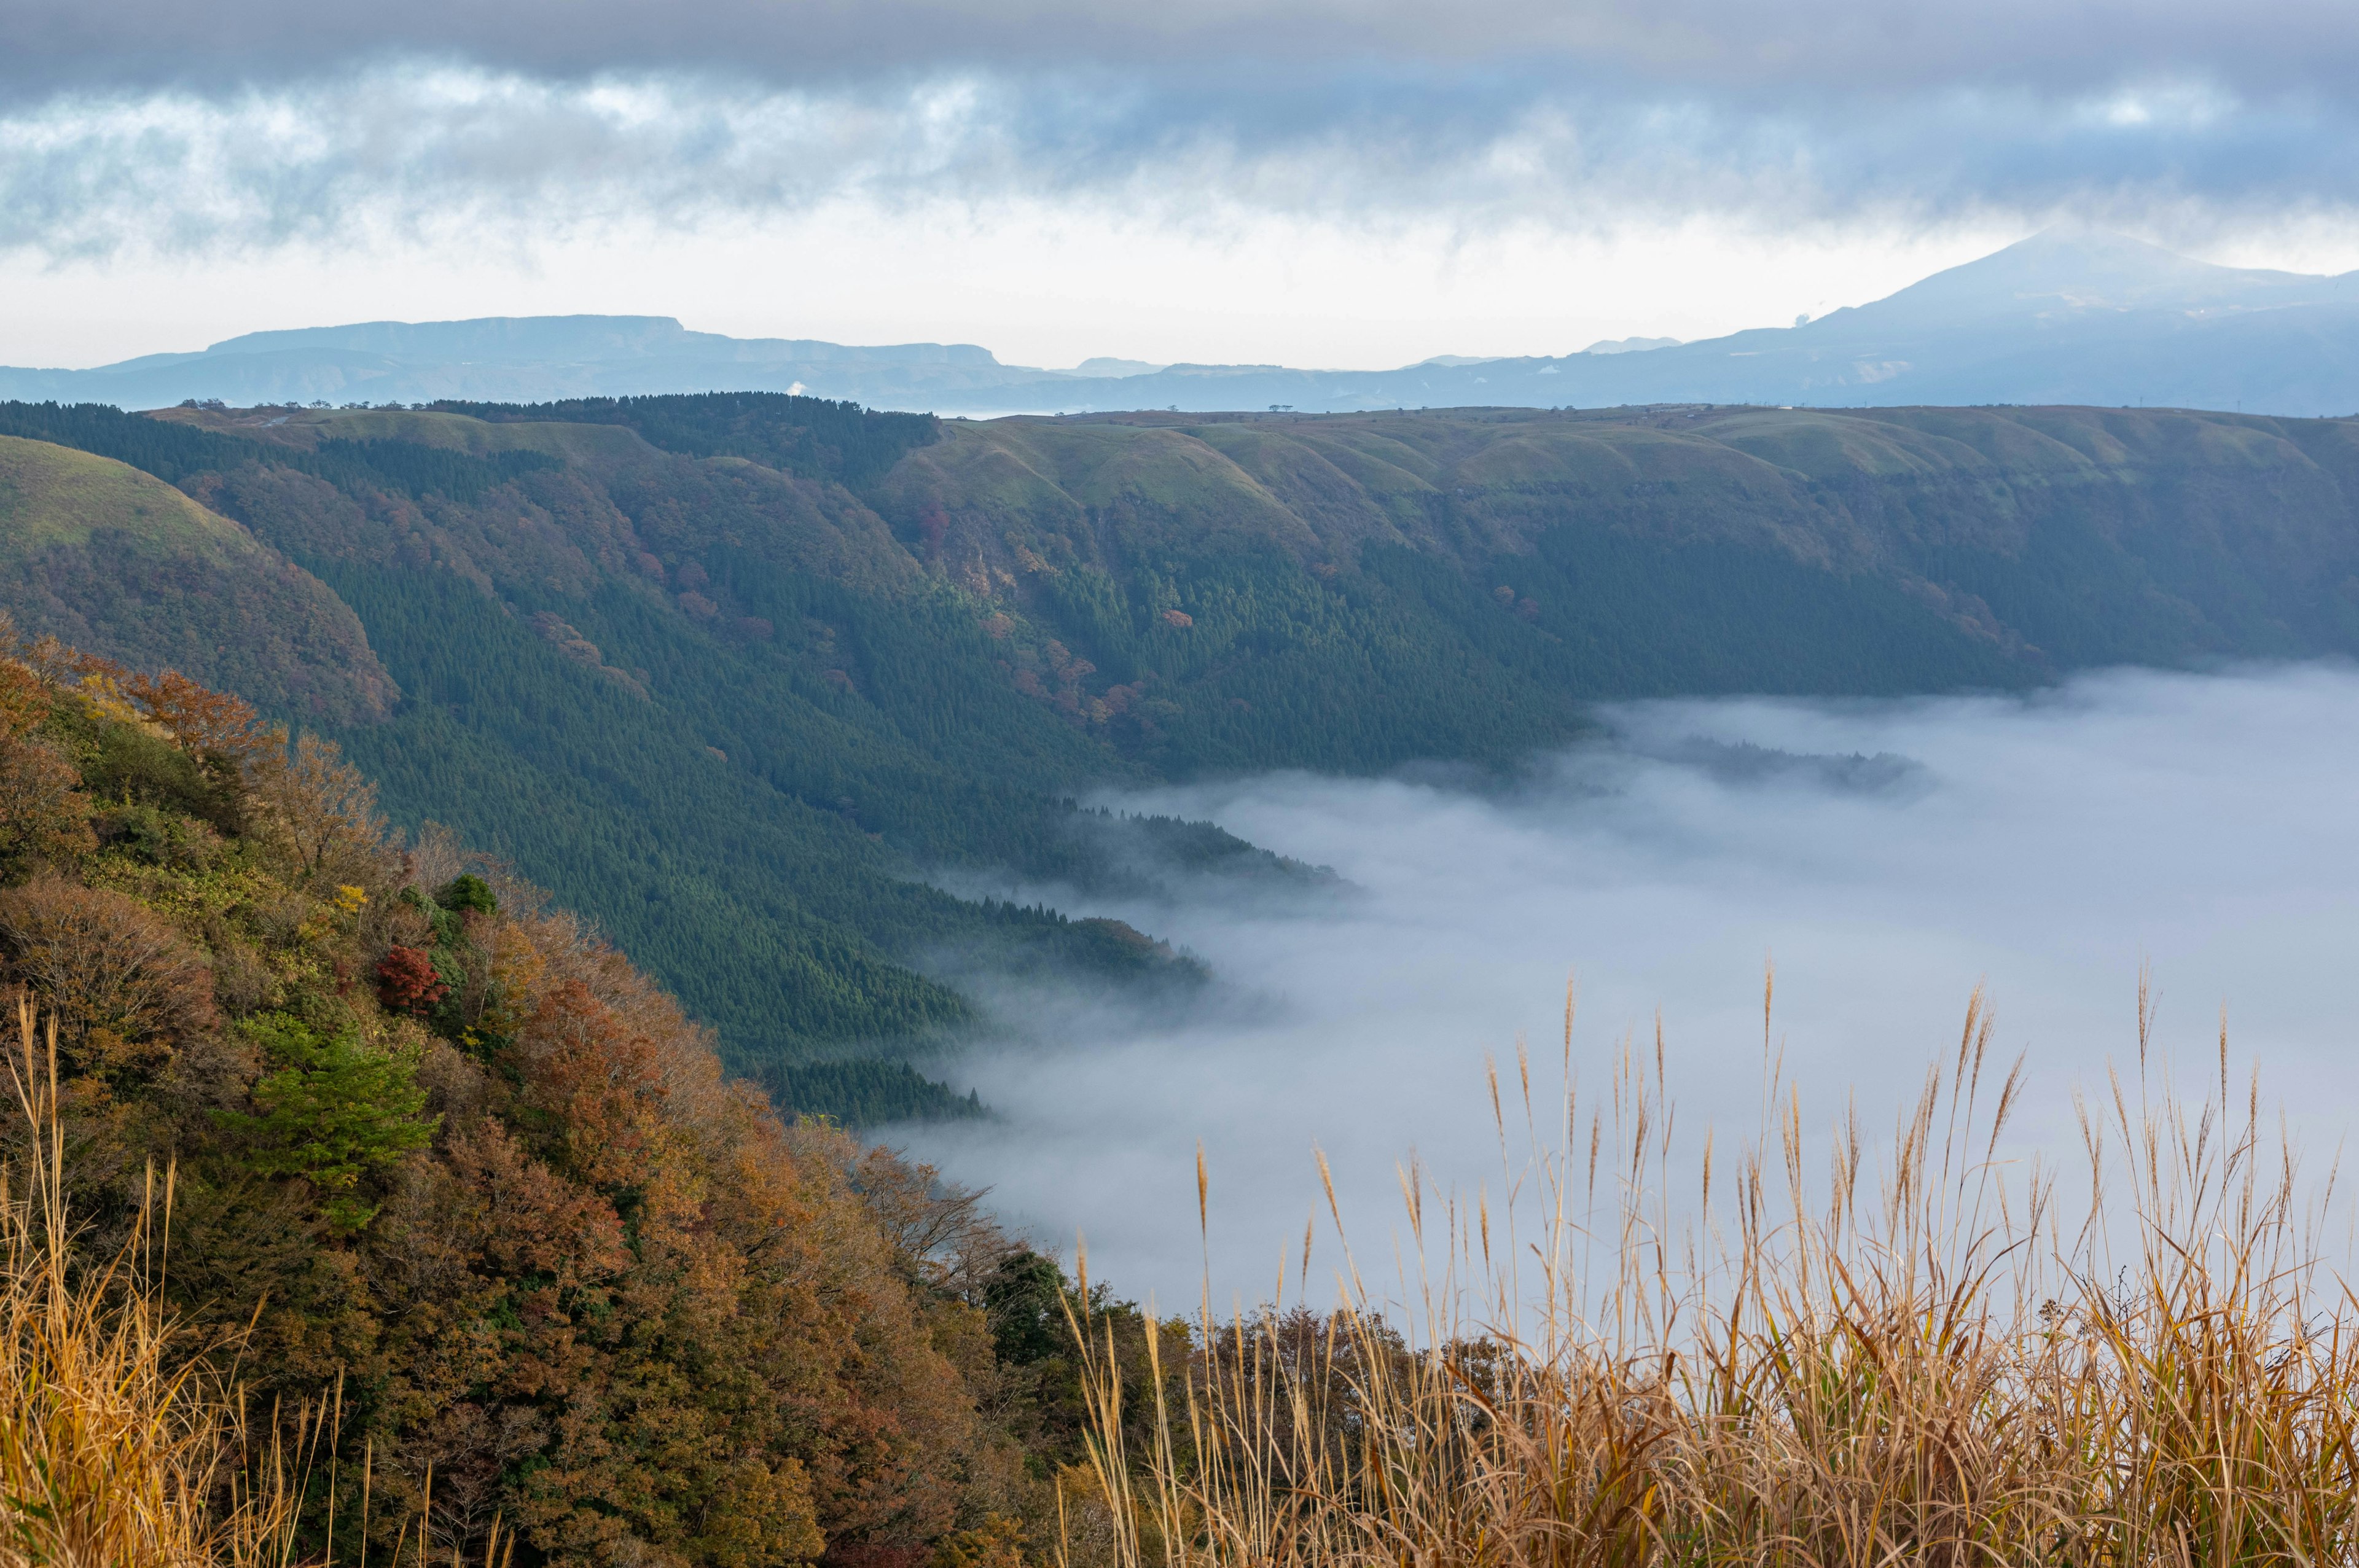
[406, 981]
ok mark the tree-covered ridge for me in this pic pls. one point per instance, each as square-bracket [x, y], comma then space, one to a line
[441, 1156]
[745, 822]
[2206, 532]
[740, 713]
[174, 451]
[812, 437]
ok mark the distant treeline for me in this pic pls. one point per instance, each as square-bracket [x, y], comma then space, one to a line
[173, 452]
[810, 437]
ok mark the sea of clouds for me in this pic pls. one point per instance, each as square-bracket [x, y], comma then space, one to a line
[1887, 856]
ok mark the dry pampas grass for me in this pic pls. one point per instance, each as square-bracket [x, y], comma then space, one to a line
[1945, 1363]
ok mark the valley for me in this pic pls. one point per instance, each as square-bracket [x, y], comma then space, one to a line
[751, 679]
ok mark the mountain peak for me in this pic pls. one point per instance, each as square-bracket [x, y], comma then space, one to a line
[2076, 267]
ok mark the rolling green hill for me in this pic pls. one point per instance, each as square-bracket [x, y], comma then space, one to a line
[732, 674]
[95, 552]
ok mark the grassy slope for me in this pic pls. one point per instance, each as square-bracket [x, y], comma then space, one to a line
[95, 552]
[305, 430]
[50, 495]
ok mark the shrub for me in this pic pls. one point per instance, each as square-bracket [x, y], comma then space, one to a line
[126, 988]
[468, 892]
[336, 1110]
[132, 764]
[997, 1543]
[43, 817]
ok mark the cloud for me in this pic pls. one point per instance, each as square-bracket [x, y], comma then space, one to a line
[241, 125]
[1889, 855]
[1720, 44]
[404, 151]
[400, 149]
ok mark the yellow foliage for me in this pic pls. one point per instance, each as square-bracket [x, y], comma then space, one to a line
[997, 1543]
[110, 701]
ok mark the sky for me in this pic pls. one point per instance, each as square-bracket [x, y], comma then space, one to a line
[1327, 183]
[1886, 857]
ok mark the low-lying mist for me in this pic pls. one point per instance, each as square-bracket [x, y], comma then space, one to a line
[1888, 856]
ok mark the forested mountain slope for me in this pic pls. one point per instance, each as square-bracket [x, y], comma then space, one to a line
[731, 673]
[1534, 560]
[450, 1178]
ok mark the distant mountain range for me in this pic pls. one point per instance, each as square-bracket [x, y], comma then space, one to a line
[2066, 316]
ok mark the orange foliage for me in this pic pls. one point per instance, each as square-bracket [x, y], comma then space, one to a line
[702, 1341]
[43, 817]
[614, 1304]
[125, 986]
[24, 698]
[198, 721]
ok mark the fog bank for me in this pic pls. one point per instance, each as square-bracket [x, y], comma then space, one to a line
[1888, 855]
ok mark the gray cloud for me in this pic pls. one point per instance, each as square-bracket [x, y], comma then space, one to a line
[2049, 844]
[386, 150]
[192, 125]
[1722, 44]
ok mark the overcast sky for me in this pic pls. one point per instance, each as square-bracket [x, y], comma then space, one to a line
[1312, 181]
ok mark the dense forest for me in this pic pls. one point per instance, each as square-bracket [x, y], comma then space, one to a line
[734, 676]
[446, 1163]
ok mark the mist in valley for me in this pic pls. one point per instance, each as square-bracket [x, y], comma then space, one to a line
[1887, 856]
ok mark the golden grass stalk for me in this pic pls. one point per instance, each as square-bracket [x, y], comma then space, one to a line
[117, 1446]
[1935, 1366]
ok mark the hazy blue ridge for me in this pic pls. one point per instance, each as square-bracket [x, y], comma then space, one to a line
[2064, 318]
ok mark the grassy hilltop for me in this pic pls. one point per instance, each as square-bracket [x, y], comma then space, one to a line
[99, 550]
[732, 674]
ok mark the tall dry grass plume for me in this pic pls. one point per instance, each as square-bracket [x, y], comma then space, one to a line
[117, 1446]
[1946, 1362]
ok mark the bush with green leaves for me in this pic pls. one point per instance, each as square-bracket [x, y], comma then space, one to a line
[335, 1109]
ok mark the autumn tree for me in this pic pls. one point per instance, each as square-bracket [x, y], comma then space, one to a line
[317, 810]
[125, 986]
[43, 817]
[407, 981]
[443, 1148]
